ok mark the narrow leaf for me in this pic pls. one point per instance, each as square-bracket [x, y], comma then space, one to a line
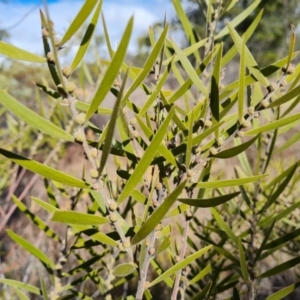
[291, 47]
[180, 265]
[111, 127]
[124, 270]
[211, 202]
[231, 182]
[21, 295]
[31, 249]
[284, 292]
[187, 51]
[48, 207]
[186, 24]
[243, 263]
[155, 92]
[148, 64]
[19, 54]
[158, 215]
[77, 218]
[44, 170]
[274, 125]
[32, 118]
[247, 35]
[82, 15]
[236, 150]
[86, 38]
[241, 93]
[201, 274]
[24, 286]
[249, 59]
[163, 150]
[237, 20]
[224, 226]
[286, 97]
[190, 70]
[283, 239]
[146, 159]
[215, 88]
[35, 219]
[281, 268]
[111, 72]
[272, 198]
[163, 246]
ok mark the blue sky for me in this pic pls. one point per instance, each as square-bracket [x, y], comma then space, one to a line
[27, 35]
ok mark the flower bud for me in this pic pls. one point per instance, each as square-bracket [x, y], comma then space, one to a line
[251, 110]
[159, 186]
[213, 151]
[133, 121]
[135, 134]
[79, 136]
[50, 57]
[113, 217]
[220, 141]
[256, 114]
[271, 88]
[240, 133]
[94, 152]
[65, 102]
[80, 118]
[71, 87]
[94, 173]
[113, 205]
[245, 124]
[264, 103]
[208, 123]
[289, 70]
[67, 71]
[45, 33]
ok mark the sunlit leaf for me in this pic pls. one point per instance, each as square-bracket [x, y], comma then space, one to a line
[180, 265]
[24, 286]
[237, 20]
[112, 71]
[249, 59]
[19, 54]
[230, 182]
[223, 225]
[158, 215]
[284, 292]
[236, 150]
[190, 70]
[111, 127]
[43, 170]
[123, 270]
[77, 218]
[28, 246]
[80, 18]
[33, 119]
[274, 125]
[86, 38]
[146, 159]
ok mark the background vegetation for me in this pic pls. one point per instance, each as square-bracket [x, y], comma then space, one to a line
[172, 179]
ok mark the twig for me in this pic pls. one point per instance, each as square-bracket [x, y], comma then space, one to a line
[181, 257]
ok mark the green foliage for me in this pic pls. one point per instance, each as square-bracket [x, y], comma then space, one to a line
[171, 191]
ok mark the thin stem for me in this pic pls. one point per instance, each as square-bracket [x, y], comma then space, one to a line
[145, 268]
[181, 257]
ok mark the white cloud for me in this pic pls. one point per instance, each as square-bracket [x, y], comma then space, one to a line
[27, 35]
